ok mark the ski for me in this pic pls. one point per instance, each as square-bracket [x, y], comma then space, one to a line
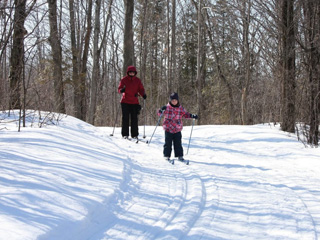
[141, 140]
[171, 161]
[136, 140]
[184, 161]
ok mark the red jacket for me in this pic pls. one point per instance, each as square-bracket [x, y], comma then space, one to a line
[173, 118]
[134, 88]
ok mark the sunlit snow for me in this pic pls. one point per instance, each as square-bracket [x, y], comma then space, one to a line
[75, 181]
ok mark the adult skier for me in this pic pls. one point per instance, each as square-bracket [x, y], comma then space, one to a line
[130, 87]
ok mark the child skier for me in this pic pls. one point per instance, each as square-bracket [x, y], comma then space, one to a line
[173, 113]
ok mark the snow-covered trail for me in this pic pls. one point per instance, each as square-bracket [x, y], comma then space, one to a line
[160, 200]
[260, 194]
[236, 187]
[75, 181]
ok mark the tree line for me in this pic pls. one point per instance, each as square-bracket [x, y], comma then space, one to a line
[231, 61]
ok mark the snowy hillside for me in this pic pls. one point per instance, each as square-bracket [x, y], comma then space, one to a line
[75, 181]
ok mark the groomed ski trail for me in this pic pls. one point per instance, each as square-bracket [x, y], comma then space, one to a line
[274, 206]
[165, 201]
[147, 180]
[75, 181]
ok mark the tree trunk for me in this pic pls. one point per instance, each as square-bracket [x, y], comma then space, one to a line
[96, 57]
[143, 42]
[83, 71]
[246, 61]
[75, 63]
[173, 47]
[55, 43]
[95, 68]
[128, 46]
[17, 54]
[199, 82]
[312, 10]
[168, 48]
[288, 65]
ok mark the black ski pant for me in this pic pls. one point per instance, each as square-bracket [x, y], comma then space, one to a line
[174, 138]
[130, 115]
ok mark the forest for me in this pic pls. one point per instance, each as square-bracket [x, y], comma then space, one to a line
[233, 62]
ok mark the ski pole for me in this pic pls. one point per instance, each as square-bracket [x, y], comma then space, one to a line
[115, 122]
[148, 142]
[190, 135]
[144, 112]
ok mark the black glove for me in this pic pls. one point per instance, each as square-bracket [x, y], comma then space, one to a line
[195, 116]
[122, 90]
[144, 96]
[161, 110]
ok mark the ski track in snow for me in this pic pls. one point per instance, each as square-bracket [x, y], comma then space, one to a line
[194, 200]
[137, 179]
[182, 207]
[282, 202]
[238, 186]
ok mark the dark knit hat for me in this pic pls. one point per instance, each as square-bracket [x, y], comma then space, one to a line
[174, 96]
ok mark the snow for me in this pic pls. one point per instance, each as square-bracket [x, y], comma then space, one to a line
[75, 181]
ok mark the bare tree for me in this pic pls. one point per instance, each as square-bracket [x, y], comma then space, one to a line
[95, 69]
[168, 52]
[173, 62]
[81, 88]
[246, 55]
[55, 43]
[199, 63]
[311, 47]
[244, 72]
[75, 63]
[96, 58]
[128, 45]
[17, 54]
[288, 84]
[220, 68]
[143, 39]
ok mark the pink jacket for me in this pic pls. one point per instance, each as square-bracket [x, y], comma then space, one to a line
[173, 118]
